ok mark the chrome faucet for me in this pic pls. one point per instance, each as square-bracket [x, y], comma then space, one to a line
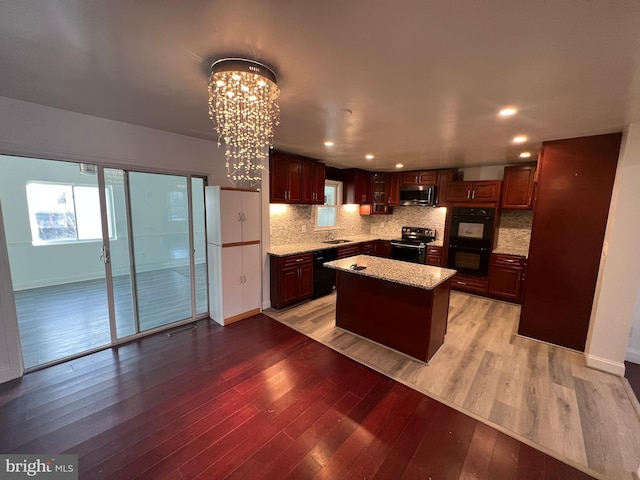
[329, 235]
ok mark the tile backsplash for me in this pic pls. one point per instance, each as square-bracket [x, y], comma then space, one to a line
[515, 229]
[296, 223]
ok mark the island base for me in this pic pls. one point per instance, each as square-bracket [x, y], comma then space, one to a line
[408, 319]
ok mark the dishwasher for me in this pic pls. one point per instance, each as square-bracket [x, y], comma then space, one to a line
[324, 279]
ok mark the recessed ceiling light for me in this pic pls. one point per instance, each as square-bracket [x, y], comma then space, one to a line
[507, 111]
[368, 156]
[519, 139]
[328, 143]
[525, 154]
[399, 165]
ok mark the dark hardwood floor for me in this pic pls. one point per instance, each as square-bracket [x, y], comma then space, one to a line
[63, 320]
[632, 373]
[251, 400]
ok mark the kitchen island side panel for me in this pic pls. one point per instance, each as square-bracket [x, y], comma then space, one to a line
[408, 319]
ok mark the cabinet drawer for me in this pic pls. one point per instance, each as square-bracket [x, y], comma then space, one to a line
[349, 251]
[507, 260]
[434, 250]
[470, 284]
[294, 260]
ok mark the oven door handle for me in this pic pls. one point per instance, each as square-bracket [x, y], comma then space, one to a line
[481, 249]
[404, 245]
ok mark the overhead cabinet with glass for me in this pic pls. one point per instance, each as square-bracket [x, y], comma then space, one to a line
[295, 179]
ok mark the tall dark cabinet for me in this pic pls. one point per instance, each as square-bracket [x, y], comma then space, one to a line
[571, 205]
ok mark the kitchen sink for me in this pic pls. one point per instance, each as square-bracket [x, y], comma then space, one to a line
[336, 241]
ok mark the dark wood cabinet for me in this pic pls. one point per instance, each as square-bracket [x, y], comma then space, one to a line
[445, 177]
[383, 248]
[470, 283]
[481, 191]
[434, 256]
[393, 199]
[426, 177]
[571, 205]
[517, 187]
[349, 250]
[506, 273]
[291, 279]
[356, 186]
[313, 174]
[295, 179]
[380, 194]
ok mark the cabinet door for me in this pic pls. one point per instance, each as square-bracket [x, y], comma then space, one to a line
[410, 178]
[505, 282]
[278, 178]
[232, 302]
[444, 178]
[394, 190]
[313, 182]
[230, 216]
[306, 281]
[428, 178]
[250, 216]
[434, 256]
[459, 192]
[252, 285]
[486, 191]
[363, 187]
[517, 187]
[295, 180]
[290, 280]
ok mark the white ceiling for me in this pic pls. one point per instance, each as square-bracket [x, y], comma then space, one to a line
[424, 79]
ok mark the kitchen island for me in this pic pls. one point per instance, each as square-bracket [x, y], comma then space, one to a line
[398, 304]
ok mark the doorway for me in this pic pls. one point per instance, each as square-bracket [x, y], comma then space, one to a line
[100, 255]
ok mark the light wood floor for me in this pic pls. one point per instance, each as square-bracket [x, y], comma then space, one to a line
[541, 394]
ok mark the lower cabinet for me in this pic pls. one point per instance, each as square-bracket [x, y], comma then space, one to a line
[506, 273]
[434, 256]
[470, 284]
[291, 279]
[349, 250]
[234, 282]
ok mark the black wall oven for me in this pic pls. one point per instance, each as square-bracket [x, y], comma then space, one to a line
[470, 240]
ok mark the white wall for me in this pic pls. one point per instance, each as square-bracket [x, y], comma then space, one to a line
[615, 304]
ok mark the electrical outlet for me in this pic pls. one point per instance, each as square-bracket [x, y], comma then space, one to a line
[303, 229]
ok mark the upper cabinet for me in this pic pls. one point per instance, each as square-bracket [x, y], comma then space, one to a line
[295, 179]
[233, 215]
[356, 186]
[518, 186]
[428, 177]
[482, 191]
[313, 182]
[445, 177]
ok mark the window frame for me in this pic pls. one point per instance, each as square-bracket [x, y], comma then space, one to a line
[336, 207]
[31, 212]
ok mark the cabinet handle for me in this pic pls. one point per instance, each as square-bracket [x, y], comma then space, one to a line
[508, 260]
[473, 196]
[468, 193]
[299, 259]
[461, 283]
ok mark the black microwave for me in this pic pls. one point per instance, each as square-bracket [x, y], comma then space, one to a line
[424, 195]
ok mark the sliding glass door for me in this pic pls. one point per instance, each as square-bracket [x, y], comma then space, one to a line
[99, 255]
[52, 219]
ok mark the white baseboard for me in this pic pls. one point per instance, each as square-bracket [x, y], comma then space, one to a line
[632, 356]
[605, 365]
[266, 304]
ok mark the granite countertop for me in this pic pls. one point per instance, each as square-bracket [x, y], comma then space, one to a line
[512, 250]
[405, 273]
[296, 248]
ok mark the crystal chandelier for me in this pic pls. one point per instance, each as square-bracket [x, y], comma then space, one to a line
[243, 105]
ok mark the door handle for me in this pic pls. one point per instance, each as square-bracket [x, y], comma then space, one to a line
[104, 258]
